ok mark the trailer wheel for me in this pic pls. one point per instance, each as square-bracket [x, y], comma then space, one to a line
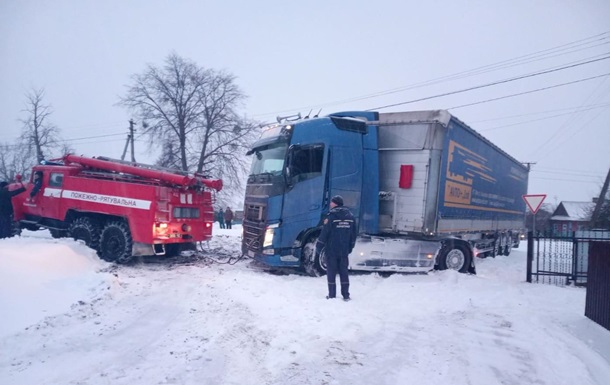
[454, 257]
[116, 242]
[507, 250]
[314, 265]
[87, 230]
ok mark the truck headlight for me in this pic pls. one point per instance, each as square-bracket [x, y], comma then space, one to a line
[269, 233]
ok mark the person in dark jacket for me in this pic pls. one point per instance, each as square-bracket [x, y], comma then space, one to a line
[337, 238]
[6, 209]
[228, 217]
[37, 184]
[221, 219]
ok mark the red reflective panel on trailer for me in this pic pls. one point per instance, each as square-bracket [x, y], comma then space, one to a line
[406, 176]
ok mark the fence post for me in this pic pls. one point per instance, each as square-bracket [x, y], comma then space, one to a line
[530, 255]
[598, 283]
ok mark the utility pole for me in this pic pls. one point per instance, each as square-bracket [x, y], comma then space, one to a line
[131, 133]
[130, 139]
[600, 202]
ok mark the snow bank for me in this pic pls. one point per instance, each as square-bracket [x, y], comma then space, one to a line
[42, 277]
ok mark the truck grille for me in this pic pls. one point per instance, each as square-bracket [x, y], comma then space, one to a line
[253, 227]
[255, 213]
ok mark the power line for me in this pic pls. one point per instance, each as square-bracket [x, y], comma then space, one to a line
[567, 123]
[540, 112]
[535, 56]
[575, 173]
[91, 137]
[75, 139]
[569, 180]
[489, 85]
[539, 119]
[574, 132]
[527, 92]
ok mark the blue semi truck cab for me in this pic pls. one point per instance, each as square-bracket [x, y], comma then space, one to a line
[427, 191]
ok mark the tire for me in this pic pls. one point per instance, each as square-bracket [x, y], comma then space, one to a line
[314, 264]
[87, 230]
[116, 242]
[507, 250]
[454, 257]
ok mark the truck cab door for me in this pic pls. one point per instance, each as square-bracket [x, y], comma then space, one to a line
[45, 203]
[305, 193]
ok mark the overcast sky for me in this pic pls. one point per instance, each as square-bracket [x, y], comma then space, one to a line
[295, 56]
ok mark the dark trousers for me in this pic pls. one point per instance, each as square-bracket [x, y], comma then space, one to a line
[222, 224]
[336, 265]
[228, 223]
[6, 226]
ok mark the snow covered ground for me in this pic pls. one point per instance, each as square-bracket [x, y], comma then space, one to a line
[68, 318]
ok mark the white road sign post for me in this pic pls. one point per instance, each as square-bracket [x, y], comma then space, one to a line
[534, 201]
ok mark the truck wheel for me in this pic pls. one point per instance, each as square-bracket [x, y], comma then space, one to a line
[87, 230]
[454, 257]
[314, 265]
[116, 242]
[507, 249]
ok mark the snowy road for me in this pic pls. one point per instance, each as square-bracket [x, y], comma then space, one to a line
[203, 323]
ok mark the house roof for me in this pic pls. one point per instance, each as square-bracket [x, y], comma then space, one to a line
[573, 211]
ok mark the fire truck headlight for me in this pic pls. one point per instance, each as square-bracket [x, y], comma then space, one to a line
[186, 227]
[162, 225]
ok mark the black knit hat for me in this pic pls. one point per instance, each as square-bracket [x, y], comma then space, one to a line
[338, 200]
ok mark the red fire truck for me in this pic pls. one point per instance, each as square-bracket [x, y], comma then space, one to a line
[120, 209]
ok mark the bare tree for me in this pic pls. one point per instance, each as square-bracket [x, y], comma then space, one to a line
[14, 160]
[169, 155]
[38, 133]
[192, 113]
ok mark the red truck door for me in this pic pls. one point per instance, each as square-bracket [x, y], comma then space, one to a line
[46, 202]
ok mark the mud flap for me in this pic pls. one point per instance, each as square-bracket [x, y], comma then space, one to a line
[472, 268]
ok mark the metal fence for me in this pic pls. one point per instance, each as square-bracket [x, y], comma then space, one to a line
[561, 258]
[597, 307]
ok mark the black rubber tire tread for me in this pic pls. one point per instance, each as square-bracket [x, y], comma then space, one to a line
[447, 250]
[87, 230]
[312, 264]
[116, 242]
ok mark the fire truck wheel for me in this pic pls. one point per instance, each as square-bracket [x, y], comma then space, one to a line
[454, 257]
[87, 230]
[314, 264]
[116, 242]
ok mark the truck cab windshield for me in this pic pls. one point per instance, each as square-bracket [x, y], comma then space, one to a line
[269, 159]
